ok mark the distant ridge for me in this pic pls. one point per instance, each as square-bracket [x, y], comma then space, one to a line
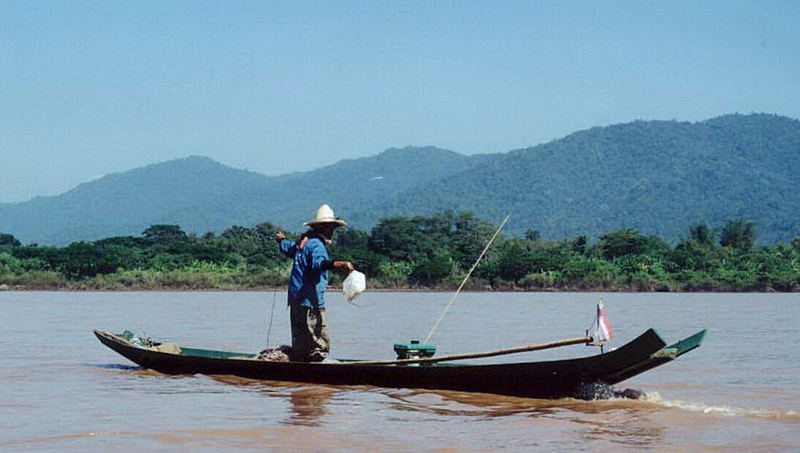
[657, 176]
[203, 195]
[181, 191]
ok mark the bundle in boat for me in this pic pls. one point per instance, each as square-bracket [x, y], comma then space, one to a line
[276, 353]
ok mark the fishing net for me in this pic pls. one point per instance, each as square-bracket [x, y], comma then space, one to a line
[275, 353]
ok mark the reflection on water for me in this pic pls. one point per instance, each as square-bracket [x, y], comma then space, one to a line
[308, 405]
[113, 366]
[625, 421]
[449, 403]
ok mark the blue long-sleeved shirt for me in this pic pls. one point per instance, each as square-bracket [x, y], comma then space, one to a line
[309, 275]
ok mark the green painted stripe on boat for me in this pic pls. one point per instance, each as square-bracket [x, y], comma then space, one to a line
[210, 354]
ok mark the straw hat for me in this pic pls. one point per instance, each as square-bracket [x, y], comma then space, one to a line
[325, 215]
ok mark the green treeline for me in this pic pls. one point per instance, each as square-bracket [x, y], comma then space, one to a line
[415, 252]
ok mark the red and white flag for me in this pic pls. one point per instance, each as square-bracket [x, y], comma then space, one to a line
[601, 330]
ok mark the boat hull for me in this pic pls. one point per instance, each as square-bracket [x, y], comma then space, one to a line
[549, 379]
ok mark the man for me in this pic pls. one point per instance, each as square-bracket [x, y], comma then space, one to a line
[307, 282]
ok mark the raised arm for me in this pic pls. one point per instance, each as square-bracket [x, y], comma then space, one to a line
[287, 247]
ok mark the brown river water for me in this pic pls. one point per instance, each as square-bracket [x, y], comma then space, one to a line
[61, 390]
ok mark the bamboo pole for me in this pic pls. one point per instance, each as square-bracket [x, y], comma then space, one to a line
[452, 299]
[477, 355]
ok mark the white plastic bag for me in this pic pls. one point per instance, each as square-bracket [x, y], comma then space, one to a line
[353, 285]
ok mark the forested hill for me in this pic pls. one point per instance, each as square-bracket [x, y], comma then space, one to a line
[355, 185]
[194, 191]
[659, 177]
[203, 195]
[656, 176]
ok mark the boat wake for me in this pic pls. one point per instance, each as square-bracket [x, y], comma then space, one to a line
[730, 411]
[600, 391]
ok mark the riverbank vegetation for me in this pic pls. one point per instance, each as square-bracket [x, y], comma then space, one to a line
[415, 253]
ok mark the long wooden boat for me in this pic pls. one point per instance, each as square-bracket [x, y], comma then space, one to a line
[546, 379]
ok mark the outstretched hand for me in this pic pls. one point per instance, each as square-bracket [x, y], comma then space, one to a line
[344, 265]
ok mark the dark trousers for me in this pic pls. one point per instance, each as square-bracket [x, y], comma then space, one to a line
[310, 341]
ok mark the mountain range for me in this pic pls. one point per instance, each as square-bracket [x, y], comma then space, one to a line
[659, 177]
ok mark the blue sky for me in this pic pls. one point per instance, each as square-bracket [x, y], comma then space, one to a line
[91, 88]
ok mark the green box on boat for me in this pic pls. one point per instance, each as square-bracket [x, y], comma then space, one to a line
[414, 350]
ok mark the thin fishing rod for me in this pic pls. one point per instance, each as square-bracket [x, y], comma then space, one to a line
[452, 299]
[271, 314]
